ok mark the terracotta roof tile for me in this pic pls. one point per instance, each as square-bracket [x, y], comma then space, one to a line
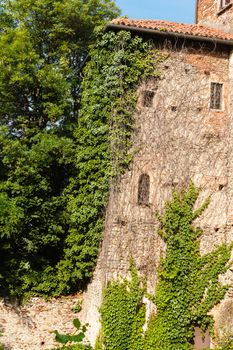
[194, 30]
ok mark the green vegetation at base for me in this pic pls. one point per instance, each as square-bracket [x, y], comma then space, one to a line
[187, 288]
[76, 338]
[68, 338]
[74, 347]
[123, 314]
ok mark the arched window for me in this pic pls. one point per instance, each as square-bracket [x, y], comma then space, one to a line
[143, 189]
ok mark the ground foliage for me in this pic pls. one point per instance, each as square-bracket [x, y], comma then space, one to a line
[187, 288]
[74, 347]
[43, 45]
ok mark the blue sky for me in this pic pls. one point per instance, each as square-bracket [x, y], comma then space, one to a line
[170, 10]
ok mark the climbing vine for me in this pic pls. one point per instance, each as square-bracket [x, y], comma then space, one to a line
[123, 314]
[187, 288]
[118, 63]
[188, 285]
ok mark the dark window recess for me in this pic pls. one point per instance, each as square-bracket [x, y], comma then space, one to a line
[224, 3]
[143, 189]
[148, 98]
[216, 96]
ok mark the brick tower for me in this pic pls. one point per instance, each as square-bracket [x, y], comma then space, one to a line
[215, 13]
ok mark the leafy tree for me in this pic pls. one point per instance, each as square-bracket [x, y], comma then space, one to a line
[44, 44]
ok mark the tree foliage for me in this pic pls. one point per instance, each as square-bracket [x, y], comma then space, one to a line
[43, 46]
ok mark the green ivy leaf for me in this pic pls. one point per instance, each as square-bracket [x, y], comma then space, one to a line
[61, 338]
[76, 323]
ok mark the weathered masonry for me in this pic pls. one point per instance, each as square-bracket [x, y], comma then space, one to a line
[184, 132]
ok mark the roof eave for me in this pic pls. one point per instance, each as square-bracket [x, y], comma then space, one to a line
[171, 34]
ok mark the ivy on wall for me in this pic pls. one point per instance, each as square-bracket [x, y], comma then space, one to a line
[123, 314]
[103, 135]
[226, 344]
[187, 288]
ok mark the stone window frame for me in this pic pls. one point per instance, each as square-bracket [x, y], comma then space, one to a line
[216, 97]
[224, 5]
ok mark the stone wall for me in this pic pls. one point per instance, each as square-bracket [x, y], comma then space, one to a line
[29, 327]
[177, 139]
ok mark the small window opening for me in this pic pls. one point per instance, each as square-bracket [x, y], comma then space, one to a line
[224, 3]
[144, 189]
[216, 96]
[148, 98]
